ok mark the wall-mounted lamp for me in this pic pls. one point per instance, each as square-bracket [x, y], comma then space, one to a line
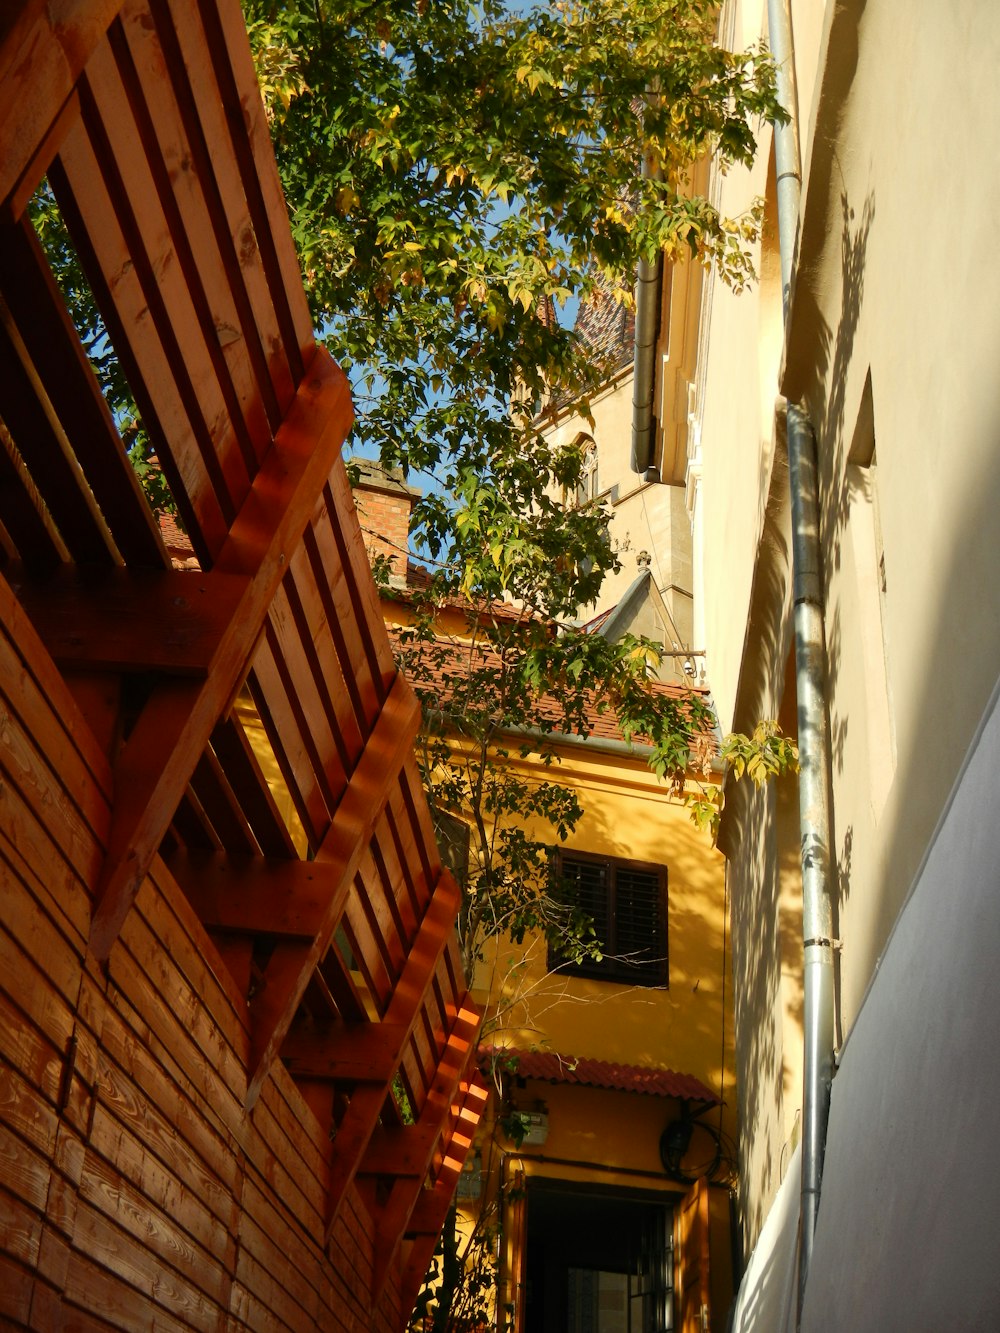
[674, 1143]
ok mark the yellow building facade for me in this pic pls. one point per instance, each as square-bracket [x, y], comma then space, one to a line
[598, 1225]
[592, 1061]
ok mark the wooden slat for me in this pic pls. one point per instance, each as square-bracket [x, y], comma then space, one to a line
[131, 620]
[191, 827]
[355, 1134]
[225, 32]
[343, 847]
[309, 692]
[41, 441]
[124, 297]
[222, 806]
[428, 1212]
[237, 756]
[117, 122]
[329, 552]
[184, 166]
[160, 755]
[69, 383]
[366, 944]
[400, 866]
[310, 613]
[340, 985]
[355, 559]
[28, 530]
[406, 1191]
[178, 26]
[285, 728]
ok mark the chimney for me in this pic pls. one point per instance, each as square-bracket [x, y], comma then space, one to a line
[384, 502]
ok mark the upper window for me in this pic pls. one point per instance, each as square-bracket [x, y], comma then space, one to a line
[586, 489]
[628, 903]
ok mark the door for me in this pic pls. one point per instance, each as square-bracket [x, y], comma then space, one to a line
[691, 1299]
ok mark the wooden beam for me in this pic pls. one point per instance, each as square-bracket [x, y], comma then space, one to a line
[431, 1207]
[159, 757]
[344, 1052]
[251, 895]
[132, 619]
[428, 1212]
[42, 54]
[394, 1216]
[350, 833]
[404, 1008]
[401, 1150]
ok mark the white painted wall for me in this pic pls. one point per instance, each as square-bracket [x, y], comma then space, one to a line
[910, 1210]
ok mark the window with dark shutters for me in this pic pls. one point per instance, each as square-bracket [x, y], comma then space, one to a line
[627, 901]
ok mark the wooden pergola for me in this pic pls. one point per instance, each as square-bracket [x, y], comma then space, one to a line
[236, 1044]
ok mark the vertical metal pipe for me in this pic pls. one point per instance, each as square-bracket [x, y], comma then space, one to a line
[648, 284]
[810, 677]
[814, 823]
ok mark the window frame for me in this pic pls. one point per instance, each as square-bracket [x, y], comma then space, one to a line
[611, 967]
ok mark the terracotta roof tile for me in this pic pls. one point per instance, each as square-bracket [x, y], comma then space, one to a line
[419, 581]
[608, 327]
[551, 1067]
[434, 666]
[177, 542]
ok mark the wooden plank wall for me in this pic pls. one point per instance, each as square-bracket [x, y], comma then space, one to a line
[135, 1188]
[236, 1078]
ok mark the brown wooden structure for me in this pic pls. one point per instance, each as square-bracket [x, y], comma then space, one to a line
[235, 1045]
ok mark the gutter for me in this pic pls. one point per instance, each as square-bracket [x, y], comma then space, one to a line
[648, 283]
[811, 689]
[609, 745]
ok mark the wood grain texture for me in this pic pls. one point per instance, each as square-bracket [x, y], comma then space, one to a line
[223, 937]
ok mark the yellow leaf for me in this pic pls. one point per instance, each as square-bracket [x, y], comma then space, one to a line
[346, 200]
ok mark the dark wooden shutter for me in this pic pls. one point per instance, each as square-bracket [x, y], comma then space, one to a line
[640, 921]
[589, 884]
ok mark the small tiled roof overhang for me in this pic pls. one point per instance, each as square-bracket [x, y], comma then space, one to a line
[429, 666]
[551, 1067]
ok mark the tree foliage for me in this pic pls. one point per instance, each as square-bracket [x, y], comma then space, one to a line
[453, 171]
[499, 698]
[766, 753]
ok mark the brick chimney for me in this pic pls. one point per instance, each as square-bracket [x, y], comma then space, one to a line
[384, 501]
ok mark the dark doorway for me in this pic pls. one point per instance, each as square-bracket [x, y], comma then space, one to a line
[598, 1260]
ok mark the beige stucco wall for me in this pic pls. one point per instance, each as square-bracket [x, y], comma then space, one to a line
[650, 516]
[896, 282]
[645, 516]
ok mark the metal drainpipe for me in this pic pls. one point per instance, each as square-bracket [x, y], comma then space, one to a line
[647, 321]
[810, 677]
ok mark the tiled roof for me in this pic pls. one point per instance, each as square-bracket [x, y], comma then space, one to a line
[551, 1067]
[418, 581]
[608, 327]
[442, 657]
[177, 542]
